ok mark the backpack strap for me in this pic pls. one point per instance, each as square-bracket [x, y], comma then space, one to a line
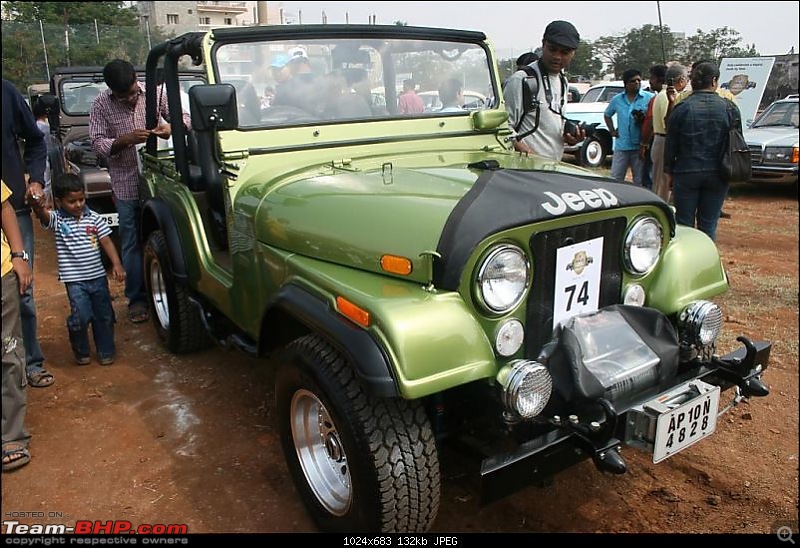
[530, 91]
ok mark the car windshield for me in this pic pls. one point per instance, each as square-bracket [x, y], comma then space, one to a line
[321, 81]
[77, 96]
[779, 114]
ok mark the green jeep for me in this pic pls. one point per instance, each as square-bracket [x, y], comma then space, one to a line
[429, 288]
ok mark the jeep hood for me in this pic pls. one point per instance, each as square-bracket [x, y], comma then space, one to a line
[356, 218]
[411, 211]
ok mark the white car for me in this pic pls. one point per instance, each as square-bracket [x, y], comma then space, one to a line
[592, 151]
[773, 141]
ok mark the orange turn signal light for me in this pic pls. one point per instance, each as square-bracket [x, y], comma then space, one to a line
[352, 312]
[396, 265]
[795, 154]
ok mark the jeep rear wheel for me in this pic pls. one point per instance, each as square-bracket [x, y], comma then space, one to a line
[592, 152]
[360, 463]
[176, 319]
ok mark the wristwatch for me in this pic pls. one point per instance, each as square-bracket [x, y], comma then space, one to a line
[20, 255]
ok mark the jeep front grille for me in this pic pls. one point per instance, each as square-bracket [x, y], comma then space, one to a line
[544, 246]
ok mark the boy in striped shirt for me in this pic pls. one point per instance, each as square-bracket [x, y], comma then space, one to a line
[80, 233]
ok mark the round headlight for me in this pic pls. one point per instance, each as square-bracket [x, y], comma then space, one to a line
[509, 338]
[503, 277]
[642, 246]
[527, 386]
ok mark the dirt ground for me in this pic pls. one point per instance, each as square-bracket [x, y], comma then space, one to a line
[192, 440]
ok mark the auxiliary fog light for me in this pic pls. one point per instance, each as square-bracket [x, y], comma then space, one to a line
[527, 386]
[701, 322]
[509, 338]
[634, 295]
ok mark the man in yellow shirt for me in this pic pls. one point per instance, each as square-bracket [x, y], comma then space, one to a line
[17, 276]
[677, 79]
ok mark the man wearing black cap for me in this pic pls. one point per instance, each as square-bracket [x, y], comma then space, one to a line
[541, 130]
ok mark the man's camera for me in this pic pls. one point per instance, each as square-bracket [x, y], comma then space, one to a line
[574, 128]
[638, 116]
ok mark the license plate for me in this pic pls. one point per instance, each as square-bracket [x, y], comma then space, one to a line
[577, 280]
[686, 416]
[111, 218]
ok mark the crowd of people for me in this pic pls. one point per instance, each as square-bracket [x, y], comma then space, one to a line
[669, 139]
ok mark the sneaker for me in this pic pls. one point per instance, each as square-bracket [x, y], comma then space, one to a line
[85, 360]
[106, 361]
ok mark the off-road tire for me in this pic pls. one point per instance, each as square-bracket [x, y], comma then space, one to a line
[388, 449]
[176, 319]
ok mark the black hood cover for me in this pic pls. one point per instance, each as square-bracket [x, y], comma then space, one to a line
[506, 198]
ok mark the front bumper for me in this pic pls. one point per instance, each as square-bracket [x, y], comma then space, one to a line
[774, 174]
[570, 440]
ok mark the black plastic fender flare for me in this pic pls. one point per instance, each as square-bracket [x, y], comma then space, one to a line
[156, 215]
[370, 361]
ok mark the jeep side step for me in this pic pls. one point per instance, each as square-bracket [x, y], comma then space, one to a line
[225, 335]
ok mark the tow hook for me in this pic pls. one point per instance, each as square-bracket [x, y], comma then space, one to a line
[597, 438]
[745, 370]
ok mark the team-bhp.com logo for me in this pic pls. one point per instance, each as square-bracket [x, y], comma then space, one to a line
[86, 527]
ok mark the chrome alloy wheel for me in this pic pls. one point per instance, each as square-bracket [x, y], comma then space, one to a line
[321, 453]
[158, 290]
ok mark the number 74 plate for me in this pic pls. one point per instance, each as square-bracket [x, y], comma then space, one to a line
[685, 416]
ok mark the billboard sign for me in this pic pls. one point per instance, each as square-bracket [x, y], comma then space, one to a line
[746, 79]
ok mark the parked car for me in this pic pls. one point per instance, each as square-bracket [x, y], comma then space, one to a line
[773, 140]
[422, 287]
[592, 151]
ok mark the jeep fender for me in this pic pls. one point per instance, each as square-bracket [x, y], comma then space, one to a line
[157, 216]
[690, 270]
[368, 358]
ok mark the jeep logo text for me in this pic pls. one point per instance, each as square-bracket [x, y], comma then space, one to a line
[593, 199]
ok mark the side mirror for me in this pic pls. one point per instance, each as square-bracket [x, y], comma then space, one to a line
[489, 119]
[213, 107]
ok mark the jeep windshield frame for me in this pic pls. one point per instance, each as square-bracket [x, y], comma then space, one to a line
[329, 74]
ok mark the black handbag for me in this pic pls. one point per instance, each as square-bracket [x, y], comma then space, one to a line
[735, 166]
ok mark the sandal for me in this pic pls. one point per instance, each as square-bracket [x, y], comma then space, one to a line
[41, 379]
[15, 456]
[137, 313]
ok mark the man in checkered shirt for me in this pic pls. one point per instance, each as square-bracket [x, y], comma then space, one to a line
[117, 126]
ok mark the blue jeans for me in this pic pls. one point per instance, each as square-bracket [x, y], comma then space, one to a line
[132, 262]
[34, 359]
[620, 162]
[698, 197]
[90, 304]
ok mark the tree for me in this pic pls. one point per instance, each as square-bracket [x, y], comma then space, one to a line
[641, 49]
[88, 33]
[608, 49]
[69, 13]
[585, 63]
[716, 44]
